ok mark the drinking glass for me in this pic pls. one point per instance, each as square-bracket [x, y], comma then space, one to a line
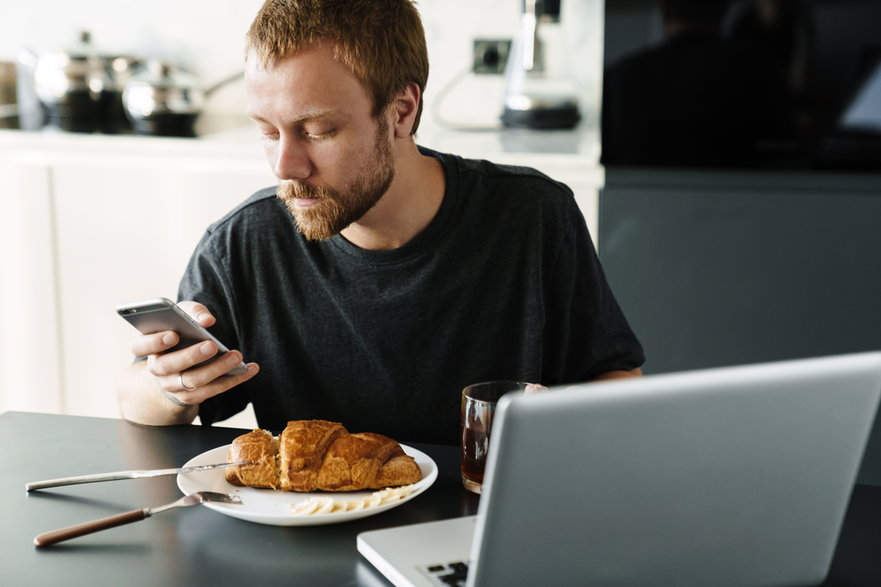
[478, 407]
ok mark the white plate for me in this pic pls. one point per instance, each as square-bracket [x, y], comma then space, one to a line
[268, 506]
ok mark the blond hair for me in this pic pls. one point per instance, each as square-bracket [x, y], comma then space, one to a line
[381, 41]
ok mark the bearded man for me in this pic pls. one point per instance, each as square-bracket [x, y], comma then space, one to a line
[379, 277]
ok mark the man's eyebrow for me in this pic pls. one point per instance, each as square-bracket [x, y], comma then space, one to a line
[310, 115]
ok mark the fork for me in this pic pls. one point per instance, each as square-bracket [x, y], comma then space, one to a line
[56, 536]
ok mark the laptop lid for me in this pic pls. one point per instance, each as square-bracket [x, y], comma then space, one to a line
[732, 476]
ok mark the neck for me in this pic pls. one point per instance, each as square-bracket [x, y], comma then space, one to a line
[409, 205]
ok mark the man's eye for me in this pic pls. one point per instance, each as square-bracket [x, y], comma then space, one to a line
[270, 135]
[319, 135]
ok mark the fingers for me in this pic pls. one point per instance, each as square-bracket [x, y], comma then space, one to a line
[199, 312]
[205, 382]
[181, 360]
[151, 344]
[534, 388]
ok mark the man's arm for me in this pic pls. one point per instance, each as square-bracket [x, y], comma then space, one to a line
[142, 400]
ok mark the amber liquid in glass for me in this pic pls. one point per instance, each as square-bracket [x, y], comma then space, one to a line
[474, 445]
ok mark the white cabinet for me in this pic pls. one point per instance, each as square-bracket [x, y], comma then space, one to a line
[125, 230]
[30, 375]
[95, 222]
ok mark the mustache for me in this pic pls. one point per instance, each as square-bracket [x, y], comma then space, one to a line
[294, 189]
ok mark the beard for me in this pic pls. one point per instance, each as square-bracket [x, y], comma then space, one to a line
[338, 208]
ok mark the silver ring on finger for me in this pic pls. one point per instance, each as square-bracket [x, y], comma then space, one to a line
[183, 386]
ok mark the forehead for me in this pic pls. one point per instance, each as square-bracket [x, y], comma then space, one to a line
[308, 81]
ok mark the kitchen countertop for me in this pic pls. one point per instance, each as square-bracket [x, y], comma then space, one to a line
[566, 152]
[580, 145]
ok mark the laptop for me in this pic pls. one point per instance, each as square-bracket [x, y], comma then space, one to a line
[730, 476]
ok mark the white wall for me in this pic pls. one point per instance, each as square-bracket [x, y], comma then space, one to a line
[205, 36]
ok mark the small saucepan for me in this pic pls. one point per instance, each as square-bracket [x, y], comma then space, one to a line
[164, 100]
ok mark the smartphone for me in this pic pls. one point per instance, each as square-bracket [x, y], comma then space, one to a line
[161, 314]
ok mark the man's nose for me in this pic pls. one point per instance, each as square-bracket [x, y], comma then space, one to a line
[291, 161]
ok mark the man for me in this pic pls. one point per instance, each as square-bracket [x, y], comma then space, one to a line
[378, 279]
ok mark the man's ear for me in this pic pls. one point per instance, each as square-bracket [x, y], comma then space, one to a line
[405, 106]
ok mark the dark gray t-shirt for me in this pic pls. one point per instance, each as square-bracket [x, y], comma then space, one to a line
[504, 283]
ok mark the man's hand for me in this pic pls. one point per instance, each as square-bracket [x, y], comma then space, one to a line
[166, 387]
[618, 375]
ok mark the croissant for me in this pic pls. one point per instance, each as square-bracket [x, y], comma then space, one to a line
[317, 455]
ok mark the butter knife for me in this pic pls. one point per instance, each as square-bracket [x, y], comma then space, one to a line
[143, 474]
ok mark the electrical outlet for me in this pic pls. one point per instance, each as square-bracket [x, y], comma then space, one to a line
[490, 55]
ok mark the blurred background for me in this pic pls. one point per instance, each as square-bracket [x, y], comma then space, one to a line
[204, 38]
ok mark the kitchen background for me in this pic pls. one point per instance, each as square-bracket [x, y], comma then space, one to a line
[89, 221]
[205, 38]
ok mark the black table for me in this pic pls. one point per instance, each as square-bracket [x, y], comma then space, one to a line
[187, 546]
[197, 546]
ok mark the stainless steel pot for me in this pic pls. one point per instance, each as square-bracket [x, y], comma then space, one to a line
[163, 100]
[80, 88]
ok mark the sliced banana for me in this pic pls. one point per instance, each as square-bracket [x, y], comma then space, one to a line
[320, 504]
